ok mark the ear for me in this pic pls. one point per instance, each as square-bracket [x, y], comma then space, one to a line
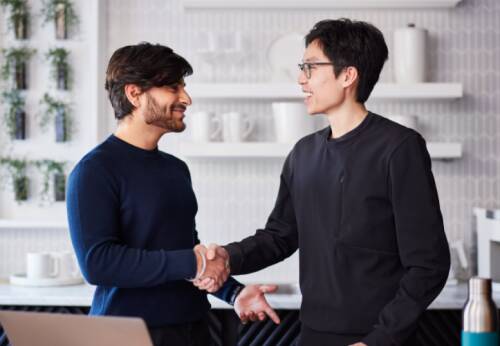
[133, 92]
[349, 76]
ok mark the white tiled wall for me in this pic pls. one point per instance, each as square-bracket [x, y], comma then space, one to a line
[236, 196]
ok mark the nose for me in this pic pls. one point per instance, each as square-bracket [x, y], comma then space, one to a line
[301, 78]
[185, 98]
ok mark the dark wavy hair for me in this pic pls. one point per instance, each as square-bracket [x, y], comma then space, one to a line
[352, 43]
[145, 65]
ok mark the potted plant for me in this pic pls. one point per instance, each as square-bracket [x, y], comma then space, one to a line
[19, 15]
[15, 67]
[62, 13]
[54, 169]
[17, 171]
[15, 117]
[58, 58]
[59, 111]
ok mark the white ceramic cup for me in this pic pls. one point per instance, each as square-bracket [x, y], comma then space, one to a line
[41, 265]
[291, 121]
[237, 127]
[67, 267]
[205, 126]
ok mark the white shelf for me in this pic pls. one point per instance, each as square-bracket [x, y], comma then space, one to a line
[437, 151]
[8, 224]
[311, 4]
[289, 91]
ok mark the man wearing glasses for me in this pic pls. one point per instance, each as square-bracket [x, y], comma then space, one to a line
[359, 200]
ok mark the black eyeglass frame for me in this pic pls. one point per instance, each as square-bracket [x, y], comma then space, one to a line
[306, 67]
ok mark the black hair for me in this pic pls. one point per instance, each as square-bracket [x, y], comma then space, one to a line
[352, 43]
[145, 65]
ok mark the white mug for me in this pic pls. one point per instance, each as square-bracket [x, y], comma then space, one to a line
[291, 121]
[40, 265]
[237, 126]
[67, 267]
[205, 126]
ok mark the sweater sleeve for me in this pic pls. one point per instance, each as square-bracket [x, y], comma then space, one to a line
[277, 241]
[93, 209]
[422, 243]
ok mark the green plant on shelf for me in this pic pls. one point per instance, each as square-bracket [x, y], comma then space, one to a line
[58, 111]
[14, 116]
[19, 17]
[18, 178]
[58, 59]
[14, 65]
[55, 170]
[62, 13]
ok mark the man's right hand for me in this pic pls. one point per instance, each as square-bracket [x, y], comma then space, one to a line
[217, 267]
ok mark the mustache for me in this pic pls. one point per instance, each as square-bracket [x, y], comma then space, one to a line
[178, 107]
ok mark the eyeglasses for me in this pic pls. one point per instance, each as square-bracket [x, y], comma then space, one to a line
[307, 66]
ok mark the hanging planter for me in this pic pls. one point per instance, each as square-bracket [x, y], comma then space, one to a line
[60, 125]
[58, 58]
[20, 182]
[55, 170]
[59, 187]
[62, 13]
[21, 189]
[15, 116]
[59, 112]
[15, 66]
[18, 19]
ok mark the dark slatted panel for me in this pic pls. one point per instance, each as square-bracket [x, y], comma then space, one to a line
[440, 328]
[266, 333]
[436, 328]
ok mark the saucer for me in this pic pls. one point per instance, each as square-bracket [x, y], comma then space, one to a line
[22, 280]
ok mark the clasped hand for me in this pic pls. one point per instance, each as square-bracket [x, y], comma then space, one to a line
[212, 267]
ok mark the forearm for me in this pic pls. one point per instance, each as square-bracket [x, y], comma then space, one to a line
[259, 251]
[120, 266]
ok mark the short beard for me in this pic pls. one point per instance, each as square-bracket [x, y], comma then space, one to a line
[161, 117]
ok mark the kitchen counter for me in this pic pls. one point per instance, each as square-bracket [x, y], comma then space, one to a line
[452, 297]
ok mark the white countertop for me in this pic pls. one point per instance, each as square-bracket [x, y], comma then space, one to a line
[452, 297]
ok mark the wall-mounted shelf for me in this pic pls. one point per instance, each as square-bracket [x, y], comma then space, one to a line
[437, 150]
[289, 91]
[312, 4]
[13, 224]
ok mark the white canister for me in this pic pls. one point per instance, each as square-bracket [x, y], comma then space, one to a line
[410, 54]
[291, 121]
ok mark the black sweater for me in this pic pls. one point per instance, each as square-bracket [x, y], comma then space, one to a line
[364, 211]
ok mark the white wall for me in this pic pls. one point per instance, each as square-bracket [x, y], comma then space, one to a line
[236, 196]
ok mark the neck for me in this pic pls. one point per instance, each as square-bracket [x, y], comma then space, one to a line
[345, 118]
[138, 134]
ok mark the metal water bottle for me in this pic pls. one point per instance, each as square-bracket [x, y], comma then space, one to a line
[480, 320]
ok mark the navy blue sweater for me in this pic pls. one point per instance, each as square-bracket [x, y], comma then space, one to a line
[131, 216]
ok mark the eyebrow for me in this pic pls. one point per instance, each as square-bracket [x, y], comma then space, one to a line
[312, 59]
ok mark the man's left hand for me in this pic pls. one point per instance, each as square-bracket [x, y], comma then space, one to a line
[251, 304]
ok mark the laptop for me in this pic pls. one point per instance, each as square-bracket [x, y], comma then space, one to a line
[51, 329]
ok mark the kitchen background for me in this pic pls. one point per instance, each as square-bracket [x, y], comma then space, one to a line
[235, 195]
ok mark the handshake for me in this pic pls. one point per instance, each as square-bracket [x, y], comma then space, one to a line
[212, 267]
